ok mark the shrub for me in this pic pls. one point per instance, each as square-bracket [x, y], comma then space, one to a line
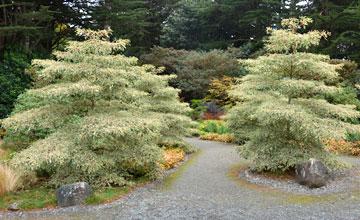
[213, 111]
[349, 73]
[8, 180]
[179, 144]
[194, 132]
[346, 96]
[213, 126]
[219, 91]
[227, 138]
[352, 136]
[194, 69]
[172, 157]
[343, 147]
[198, 108]
[94, 115]
[2, 133]
[280, 112]
[13, 80]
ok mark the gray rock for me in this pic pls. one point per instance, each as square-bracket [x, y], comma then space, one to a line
[73, 194]
[14, 207]
[312, 173]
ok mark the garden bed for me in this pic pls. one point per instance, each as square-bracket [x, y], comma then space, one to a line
[41, 197]
[343, 181]
[213, 130]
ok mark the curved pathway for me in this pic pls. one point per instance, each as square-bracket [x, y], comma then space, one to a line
[203, 190]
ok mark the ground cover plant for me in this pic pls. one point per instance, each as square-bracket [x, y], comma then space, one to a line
[281, 111]
[172, 157]
[348, 146]
[213, 126]
[94, 115]
[215, 130]
[227, 138]
[343, 147]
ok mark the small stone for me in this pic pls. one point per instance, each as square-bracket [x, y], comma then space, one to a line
[312, 173]
[73, 194]
[14, 207]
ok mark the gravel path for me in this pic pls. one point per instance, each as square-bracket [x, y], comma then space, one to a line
[204, 190]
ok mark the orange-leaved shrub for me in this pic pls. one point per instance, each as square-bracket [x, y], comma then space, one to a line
[227, 138]
[172, 156]
[344, 147]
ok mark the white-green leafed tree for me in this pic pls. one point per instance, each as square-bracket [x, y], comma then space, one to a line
[94, 115]
[280, 112]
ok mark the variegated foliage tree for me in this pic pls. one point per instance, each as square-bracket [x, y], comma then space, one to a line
[280, 112]
[94, 115]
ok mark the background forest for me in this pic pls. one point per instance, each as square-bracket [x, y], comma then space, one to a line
[178, 34]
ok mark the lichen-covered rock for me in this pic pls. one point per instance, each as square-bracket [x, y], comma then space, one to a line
[73, 194]
[312, 173]
[14, 207]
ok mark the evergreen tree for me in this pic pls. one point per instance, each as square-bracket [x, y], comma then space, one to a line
[23, 24]
[30, 29]
[94, 115]
[140, 20]
[339, 17]
[182, 29]
[13, 80]
[280, 112]
[219, 24]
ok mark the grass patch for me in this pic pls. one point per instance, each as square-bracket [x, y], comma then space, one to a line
[30, 199]
[107, 195]
[5, 155]
[38, 198]
[110, 194]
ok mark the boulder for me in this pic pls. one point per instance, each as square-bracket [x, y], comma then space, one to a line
[13, 207]
[312, 173]
[73, 194]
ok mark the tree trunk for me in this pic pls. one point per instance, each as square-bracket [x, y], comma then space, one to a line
[108, 7]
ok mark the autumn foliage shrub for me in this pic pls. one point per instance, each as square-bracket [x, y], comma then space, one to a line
[343, 147]
[172, 157]
[227, 138]
[219, 91]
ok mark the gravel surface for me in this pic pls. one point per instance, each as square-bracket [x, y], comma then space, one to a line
[342, 182]
[204, 190]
